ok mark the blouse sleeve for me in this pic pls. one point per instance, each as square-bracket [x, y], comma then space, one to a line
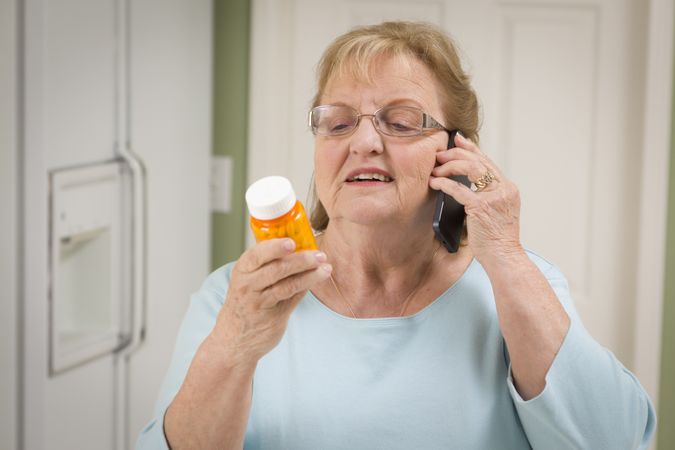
[197, 324]
[590, 399]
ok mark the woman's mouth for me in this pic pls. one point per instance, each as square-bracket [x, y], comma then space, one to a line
[370, 178]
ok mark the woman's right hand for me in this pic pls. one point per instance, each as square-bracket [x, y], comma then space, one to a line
[268, 281]
[211, 408]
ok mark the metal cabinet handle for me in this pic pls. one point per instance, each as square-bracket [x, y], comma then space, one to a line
[139, 251]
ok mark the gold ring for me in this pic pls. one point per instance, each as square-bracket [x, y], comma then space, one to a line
[484, 181]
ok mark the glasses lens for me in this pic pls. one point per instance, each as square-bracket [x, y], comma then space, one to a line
[333, 120]
[400, 120]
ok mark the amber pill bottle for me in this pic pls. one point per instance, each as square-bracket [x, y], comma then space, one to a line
[276, 213]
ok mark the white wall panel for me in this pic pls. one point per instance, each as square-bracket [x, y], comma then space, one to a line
[547, 107]
[370, 12]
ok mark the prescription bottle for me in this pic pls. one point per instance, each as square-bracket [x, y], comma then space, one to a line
[276, 213]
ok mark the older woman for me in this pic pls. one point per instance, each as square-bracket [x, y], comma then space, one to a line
[382, 339]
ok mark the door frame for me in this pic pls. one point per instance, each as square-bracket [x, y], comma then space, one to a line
[11, 224]
[654, 196]
[271, 40]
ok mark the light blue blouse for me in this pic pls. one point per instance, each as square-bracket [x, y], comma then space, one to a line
[439, 379]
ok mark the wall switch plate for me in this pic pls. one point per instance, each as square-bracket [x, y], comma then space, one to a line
[221, 184]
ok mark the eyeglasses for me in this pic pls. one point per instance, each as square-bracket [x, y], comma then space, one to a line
[340, 120]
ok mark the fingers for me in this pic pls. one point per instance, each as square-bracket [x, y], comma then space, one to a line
[266, 285]
[471, 168]
[457, 190]
[264, 252]
[467, 144]
[287, 266]
[464, 159]
[293, 287]
[271, 272]
[472, 163]
[456, 153]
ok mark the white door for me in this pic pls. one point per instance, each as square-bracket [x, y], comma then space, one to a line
[562, 89]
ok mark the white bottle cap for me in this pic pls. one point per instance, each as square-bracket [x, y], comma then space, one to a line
[270, 197]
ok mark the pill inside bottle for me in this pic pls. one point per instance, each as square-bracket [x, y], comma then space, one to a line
[276, 213]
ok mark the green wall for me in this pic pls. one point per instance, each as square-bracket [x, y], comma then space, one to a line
[230, 113]
[666, 413]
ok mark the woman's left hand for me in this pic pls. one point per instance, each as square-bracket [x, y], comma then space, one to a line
[493, 211]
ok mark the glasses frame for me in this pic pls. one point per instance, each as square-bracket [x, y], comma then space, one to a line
[428, 122]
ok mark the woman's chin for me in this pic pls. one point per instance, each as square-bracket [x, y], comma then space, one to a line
[375, 212]
[368, 219]
[371, 215]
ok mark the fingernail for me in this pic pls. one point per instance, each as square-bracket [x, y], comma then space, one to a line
[460, 136]
[321, 257]
[289, 244]
[327, 268]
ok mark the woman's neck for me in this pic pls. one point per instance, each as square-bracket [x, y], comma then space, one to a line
[379, 272]
[376, 251]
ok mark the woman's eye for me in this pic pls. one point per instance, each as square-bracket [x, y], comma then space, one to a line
[399, 126]
[338, 124]
[401, 120]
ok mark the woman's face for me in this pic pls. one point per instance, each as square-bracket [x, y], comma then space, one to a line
[406, 162]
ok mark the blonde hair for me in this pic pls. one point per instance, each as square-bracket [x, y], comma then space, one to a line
[353, 53]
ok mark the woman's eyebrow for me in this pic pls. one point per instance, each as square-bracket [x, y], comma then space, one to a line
[402, 101]
[338, 103]
[397, 101]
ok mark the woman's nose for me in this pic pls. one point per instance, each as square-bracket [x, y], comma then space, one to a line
[366, 138]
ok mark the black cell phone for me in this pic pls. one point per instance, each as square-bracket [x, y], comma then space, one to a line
[449, 215]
